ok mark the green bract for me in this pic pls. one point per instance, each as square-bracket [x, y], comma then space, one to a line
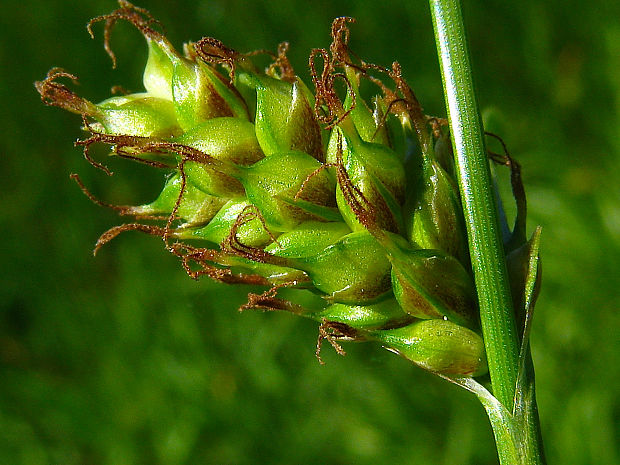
[268, 183]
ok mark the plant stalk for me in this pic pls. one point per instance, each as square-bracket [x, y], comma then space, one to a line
[481, 217]
[479, 204]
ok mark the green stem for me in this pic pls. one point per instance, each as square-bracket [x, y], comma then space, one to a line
[479, 205]
[481, 217]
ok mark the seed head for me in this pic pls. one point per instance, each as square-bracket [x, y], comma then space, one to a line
[272, 184]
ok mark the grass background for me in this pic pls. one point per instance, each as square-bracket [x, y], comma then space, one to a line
[124, 360]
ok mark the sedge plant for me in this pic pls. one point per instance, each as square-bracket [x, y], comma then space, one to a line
[377, 221]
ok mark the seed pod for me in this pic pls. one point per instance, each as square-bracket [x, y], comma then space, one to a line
[195, 207]
[400, 136]
[285, 119]
[157, 76]
[307, 239]
[353, 270]
[381, 315]
[278, 261]
[200, 93]
[197, 90]
[251, 233]
[225, 139]
[273, 273]
[140, 115]
[274, 185]
[369, 124]
[444, 154]
[433, 213]
[137, 115]
[437, 345]
[375, 170]
[288, 188]
[214, 182]
[429, 284]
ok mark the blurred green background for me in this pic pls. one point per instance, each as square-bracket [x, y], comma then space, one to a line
[123, 359]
